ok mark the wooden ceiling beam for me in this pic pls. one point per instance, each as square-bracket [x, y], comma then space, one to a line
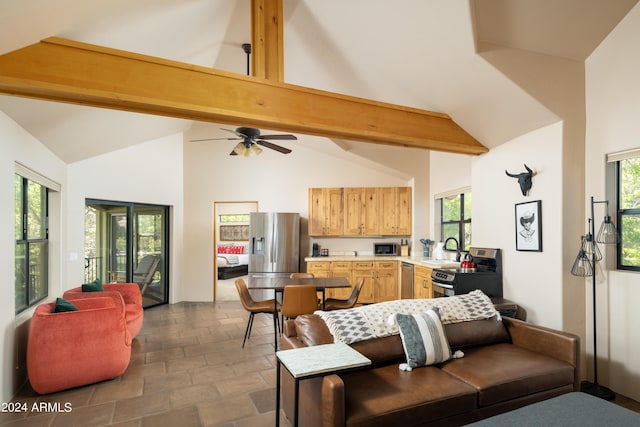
[67, 71]
[267, 40]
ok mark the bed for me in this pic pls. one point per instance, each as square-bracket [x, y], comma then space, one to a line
[233, 261]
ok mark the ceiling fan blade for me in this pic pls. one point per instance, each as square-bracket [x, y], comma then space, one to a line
[280, 137]
[238, 134]
[273, 146]
[215, 139]
[233, 153]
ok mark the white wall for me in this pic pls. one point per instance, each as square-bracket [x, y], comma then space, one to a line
[17, 145]
[613, 109]
[150, 172]
[530, 278]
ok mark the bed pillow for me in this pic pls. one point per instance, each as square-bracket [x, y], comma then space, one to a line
[423, 338]
[230, 249]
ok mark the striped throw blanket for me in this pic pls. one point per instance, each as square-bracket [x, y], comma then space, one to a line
[378, 320]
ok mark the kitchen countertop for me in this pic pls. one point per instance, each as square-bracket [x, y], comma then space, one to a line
[416, 260]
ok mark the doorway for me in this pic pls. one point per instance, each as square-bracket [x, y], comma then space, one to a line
[128, 243]
[230, 234]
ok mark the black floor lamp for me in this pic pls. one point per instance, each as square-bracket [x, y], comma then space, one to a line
[585, 265]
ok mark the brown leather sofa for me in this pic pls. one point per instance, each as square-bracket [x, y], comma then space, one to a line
[506, 365]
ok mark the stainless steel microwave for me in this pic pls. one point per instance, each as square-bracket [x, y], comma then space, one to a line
[386, 249]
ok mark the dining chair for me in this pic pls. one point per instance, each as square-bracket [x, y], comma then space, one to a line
[338, 304]
[254, 307]
[298, 299]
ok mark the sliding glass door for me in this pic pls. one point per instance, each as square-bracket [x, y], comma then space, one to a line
[128, 242]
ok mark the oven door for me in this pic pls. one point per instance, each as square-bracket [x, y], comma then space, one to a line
[440, 289]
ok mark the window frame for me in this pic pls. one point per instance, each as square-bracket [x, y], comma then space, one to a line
[28, 242]
[620, 214]
[463, 222]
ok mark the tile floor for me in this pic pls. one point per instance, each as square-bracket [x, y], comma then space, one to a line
[187, 369]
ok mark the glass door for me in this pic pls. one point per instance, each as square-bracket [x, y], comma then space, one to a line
[149, 249]
[127, 243]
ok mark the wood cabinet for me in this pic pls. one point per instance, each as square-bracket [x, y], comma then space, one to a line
[365, 211]
[326, 214]
[385, 281]
[364, 270]
[380, 278]
[361, 211]
[395, 210]
[340, 269]
[319, 268]
[422, 282]
[332, 269]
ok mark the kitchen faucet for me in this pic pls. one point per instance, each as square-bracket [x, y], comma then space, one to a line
[457, 247]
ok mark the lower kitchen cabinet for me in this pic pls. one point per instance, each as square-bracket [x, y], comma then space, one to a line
[422, 282]
[364, 270]
[385, 281]
[340, 269]
[380, 278]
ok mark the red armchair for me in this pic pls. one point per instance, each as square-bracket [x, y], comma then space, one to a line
[76, 348]
[125, 294]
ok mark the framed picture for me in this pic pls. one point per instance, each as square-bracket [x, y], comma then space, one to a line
[529, 226]
[234, 233]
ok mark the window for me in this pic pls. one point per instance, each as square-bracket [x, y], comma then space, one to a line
[628, 171]
[32, 243]
[455, 218]
[226, 218]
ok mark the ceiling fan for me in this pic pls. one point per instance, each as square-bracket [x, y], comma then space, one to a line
[249, 139]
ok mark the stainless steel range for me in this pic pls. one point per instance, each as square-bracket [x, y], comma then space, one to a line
[486, 276]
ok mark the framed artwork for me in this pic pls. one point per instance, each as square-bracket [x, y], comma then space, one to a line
[529, 226]
[234, 233]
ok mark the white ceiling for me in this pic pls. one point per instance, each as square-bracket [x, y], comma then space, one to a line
[419, 53]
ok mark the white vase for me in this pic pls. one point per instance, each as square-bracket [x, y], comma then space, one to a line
[438, 253]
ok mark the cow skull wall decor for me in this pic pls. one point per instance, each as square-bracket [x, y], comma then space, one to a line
[524, 179]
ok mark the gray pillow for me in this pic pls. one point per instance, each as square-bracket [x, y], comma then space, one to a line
[423, 338]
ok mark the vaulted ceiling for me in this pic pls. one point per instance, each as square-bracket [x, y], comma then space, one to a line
[416, 53]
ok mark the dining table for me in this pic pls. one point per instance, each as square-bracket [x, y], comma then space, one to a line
[277, 284]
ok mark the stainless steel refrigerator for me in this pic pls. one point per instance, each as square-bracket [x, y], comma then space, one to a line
[274, 243]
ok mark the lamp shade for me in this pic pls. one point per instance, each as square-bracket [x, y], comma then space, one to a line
[608, 233]
[582, 265]
[590, 247]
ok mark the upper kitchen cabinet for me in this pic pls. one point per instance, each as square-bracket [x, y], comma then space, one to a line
[368, 211]
[395, 208]
[326, 212]
[361, 214]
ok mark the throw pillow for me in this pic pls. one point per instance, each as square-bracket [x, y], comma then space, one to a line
[423, 338]
[236, 250]
[95, 286]
[63, 305]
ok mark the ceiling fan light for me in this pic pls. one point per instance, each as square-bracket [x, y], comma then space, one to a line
[239, 148]
[255, 149]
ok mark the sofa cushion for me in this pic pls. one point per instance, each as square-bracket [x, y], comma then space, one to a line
[476, 332]
[387, 396]
[62, 305]
[504, 371]
[423, 338]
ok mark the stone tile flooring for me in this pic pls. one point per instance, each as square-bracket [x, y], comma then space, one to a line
[187, 369]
